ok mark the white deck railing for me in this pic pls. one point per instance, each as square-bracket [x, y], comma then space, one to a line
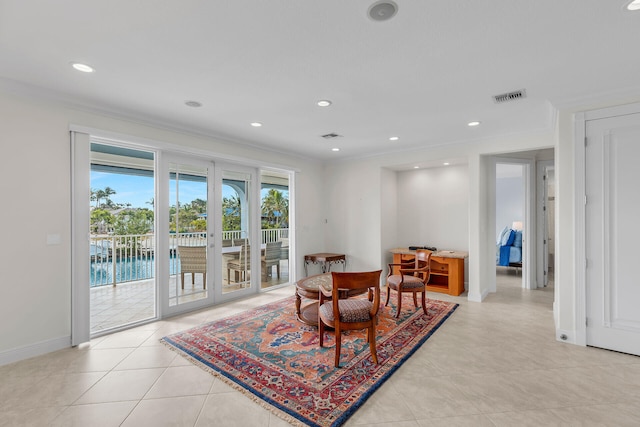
[127, 258]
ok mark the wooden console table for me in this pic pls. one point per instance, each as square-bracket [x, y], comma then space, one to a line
[325, 260]
[447, 269]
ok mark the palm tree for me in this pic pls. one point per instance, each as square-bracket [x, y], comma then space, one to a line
[231, 210]
[275, 207]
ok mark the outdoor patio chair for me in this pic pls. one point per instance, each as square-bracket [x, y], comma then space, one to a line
[271, 257]
[241, 265]
[193, 259]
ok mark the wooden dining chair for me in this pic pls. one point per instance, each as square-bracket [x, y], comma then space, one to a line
[343, 313]
[412, 277]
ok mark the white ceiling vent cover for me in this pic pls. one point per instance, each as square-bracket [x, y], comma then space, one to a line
[331, 135]
[510, 96]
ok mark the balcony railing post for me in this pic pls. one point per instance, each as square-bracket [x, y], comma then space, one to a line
[113, 259]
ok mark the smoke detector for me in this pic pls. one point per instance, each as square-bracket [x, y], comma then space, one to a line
[382, 10]
[510, 96]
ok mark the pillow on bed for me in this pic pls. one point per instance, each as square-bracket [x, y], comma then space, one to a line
[508, 237]
[517, 241]
[503, 236]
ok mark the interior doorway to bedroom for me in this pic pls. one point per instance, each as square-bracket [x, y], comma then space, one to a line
[510, 218]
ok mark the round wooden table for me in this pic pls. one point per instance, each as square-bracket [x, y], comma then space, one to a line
[309, 287]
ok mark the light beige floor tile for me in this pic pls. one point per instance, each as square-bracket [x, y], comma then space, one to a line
[231, 410]
[131, 338]
[173, 411]
[459, 421]
[181, 381]
[95, 415]
[529, 418]
[147, 357]
[385, 405]
[30, 417]
[118, 386]
[388, 424]
[620, 414]
[100, 359]
[428, 397]
[55, 390]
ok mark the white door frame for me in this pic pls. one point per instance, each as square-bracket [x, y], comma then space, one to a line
[542, 222]
[528, 244]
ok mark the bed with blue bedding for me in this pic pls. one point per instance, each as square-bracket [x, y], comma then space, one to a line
[509, 248]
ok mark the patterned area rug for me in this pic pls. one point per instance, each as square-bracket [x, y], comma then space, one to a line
[276, 360]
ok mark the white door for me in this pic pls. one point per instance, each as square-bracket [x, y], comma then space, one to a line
[612, 233]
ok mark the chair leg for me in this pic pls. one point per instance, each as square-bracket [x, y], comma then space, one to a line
[399, 308]
[338, 346]
[415, 300]
[204, 280]
[182, 280]
[372, 343]
[424, 302]
[388, 293]
[193, 278]
[320, 330]
[278, 269]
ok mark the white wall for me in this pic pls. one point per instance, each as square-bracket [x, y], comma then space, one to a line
[433, 208]
[509, 196]
[35, 308]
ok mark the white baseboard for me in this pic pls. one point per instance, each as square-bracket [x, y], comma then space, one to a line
[33, 350]
[477, 297]
[569, 337]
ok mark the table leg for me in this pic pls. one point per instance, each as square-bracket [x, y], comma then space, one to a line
[298, 303]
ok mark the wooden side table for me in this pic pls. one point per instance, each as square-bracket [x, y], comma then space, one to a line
[325, 259]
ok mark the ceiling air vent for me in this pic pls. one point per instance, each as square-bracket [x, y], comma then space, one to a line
[331, 135]
[510, 96]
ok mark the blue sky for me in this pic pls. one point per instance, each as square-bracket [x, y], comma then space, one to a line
[138, 190]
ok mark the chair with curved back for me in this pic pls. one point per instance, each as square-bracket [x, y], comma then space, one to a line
[343, 313]
[193, 259]
[412, 277]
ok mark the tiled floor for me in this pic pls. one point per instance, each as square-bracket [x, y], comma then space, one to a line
[130, 302]
[494, 363]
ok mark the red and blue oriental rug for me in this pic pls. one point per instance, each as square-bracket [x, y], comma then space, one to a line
[276, 360]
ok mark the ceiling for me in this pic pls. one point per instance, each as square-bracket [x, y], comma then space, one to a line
[420, 76]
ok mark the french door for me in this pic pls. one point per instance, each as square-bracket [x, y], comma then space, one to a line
[238, 258]
[186, 233]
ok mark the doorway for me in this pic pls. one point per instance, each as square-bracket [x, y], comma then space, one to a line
[122, 248]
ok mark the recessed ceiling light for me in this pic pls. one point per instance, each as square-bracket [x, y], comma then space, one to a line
[446, 163]
[634, 5]
[472, 124]
[256, 124]
[394, 138]
[194, 104]
[335, 149]
[324, 103]
[82, 67]
[416, 167]
[382, 10]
